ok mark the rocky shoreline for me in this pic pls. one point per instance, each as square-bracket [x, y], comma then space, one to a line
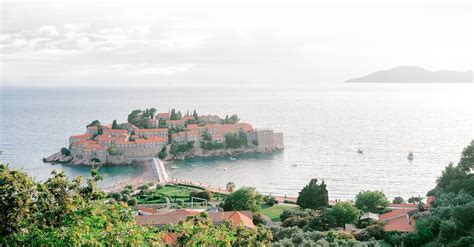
[59, 158]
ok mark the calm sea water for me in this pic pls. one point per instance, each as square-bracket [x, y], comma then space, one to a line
[323, 129]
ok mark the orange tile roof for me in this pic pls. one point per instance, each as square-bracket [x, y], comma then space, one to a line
[152, 139]
[92, 128]
[398, 220]
[118, 131]
[148, 210]
[170, 238]
[83, 136]
[151, 130]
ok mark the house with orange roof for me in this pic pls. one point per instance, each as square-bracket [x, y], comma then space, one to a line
[146, 133]
[163, 115]
[234, 218]
[399, 220]
[175, 123]
[209, 118]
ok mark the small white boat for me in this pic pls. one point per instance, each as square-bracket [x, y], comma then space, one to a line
[174, 167]
[410, 156]
[294, 165]
[233, 158]
[360, 151]
[225, 168]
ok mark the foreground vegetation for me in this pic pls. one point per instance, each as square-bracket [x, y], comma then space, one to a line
[71, 212]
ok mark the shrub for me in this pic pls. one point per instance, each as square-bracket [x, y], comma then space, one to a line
[132, 202]
[207, 195]
[270, 201]
[258, 219]
[65, 152]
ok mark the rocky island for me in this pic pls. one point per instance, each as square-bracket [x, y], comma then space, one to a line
[168, 136]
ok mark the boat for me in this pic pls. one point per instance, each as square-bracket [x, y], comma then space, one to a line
[174, 167]
[294, 165]
[360, 151]
[233, 158]
[410, 156]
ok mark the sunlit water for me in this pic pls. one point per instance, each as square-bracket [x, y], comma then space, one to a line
[323, 129]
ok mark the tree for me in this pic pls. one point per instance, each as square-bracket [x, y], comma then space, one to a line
[135, 117]
[195, 115]
[94, 123]
[345, 213]
[230, 186]
[65, 152]
[245, 198]
[115, 126]
[152, 112]
[414, 199]
[313, 195]
[371, 201]
[398, 200]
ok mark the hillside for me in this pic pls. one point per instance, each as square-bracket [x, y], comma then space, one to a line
[413, 74]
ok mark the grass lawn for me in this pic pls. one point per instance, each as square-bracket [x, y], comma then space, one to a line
[174, 191]
[274, 211]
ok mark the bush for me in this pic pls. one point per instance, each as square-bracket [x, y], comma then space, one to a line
[65, 152]
[132, 202]
[258, 219]
[115, 196]
[236, 140]
[270, 201]
[143, 187]
[376, 231]
[207, 195]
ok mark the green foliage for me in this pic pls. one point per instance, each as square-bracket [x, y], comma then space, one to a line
[344, 213]
[212, 145]
[94, 123]
[313, 195]
[200, 231]
[181, 148]
[230, 186]
[414, 199]
[270, 201]
[175, 115]
[231, 120]
[293, 236]
[162, 154]
[132, 202]
[398, 200]
[236, 140]
[371, 201]
[207, 195]
[112, 150]
[115, 126]
[63, 212]
[245, 198]
[65, 152]
[140, 118]
[206, 136]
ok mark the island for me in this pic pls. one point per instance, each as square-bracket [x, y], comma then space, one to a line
[167, 136]
[414, 74]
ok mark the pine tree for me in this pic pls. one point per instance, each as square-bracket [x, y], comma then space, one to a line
[313, 195]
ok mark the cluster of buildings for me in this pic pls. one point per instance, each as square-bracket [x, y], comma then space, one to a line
[401, 217]
[104, 144]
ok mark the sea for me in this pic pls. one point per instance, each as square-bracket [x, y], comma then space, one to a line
[323, 126]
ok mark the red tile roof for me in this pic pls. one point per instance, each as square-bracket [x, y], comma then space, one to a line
[151, 130]
[398, 220]
[170, 238]
[148, 210]
[83, 136]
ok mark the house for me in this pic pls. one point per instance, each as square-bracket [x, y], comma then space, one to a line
[235, 218]
[402, 206]
[153, 123]
[93, 130]
[209, 118]
[175, 123]
[77, 138]
[163, 115]
[146, 211]
[399, 220]
[147, 133]
[115, 132]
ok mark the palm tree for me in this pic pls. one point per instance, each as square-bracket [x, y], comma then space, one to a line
[230, 186]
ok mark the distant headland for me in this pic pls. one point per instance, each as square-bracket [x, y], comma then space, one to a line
[168, 136]
[414, 74]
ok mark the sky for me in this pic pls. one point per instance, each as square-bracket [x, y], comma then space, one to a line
[225, 43]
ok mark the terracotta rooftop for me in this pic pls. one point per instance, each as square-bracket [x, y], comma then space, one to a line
[398, 220]
[151, 130]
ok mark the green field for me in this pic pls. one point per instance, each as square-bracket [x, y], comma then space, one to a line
[274, 211]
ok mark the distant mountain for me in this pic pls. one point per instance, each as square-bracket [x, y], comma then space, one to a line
[410, 74]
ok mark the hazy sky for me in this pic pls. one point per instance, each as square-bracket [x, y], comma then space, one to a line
[72, 43]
